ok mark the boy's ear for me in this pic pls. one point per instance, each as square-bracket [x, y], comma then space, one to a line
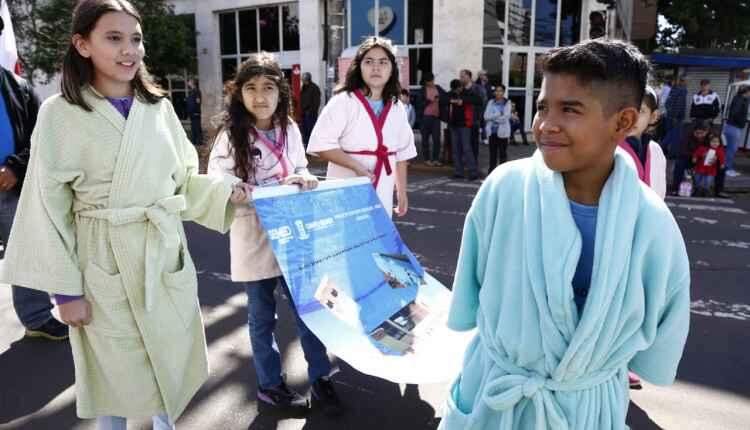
[81, 45]
[626, 121]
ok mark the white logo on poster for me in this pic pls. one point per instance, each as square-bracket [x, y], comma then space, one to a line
[301, 229]
[283, 234]
[385, 19]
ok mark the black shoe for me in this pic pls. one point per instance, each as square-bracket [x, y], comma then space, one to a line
[458, 176]
[326, 398]
[722, 195]
[51, 330]
[473, 177]
[282, 397]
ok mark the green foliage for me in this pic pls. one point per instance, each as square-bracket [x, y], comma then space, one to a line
[705, 24]
[43, 33]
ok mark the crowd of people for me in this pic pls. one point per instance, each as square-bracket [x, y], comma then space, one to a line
[560, 321]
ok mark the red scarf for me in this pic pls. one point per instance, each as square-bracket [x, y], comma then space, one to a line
[381, 152]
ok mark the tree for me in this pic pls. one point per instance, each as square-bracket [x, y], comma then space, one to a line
[705, 24]
[43, 32]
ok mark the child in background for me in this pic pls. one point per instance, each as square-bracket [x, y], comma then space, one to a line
[685, 151]
[707, 161]
[262, 145]
[410, 113]
[570, 268]
[646, 153]
[111, 178]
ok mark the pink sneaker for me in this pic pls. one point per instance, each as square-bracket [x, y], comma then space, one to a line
[634, 381]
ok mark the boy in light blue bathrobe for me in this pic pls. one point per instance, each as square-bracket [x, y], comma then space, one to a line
[572, 269]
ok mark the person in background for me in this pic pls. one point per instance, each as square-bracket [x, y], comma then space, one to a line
[706, 104]
[461, 121]
[735, 123]
[484, 81]
[497, 118]
[516, 125]
[685, 150]
[477, 98]
[18, 112]
[430, 98]
[707, 159]
[676, 109]
[310, 105]
[193, 107]
[409, 109]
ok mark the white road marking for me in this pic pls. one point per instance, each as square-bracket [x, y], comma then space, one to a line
[437, 211]
[705, 220]
[714, 308]
[702, 199]
[416, 225]
[723, 243]
[692, 207]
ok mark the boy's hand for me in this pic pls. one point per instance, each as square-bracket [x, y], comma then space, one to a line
[306, 182]
[241, 193]
[76, 313]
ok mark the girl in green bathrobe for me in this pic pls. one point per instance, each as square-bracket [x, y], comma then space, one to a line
[111, 177]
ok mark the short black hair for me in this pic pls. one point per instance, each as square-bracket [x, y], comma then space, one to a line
[614, 64]
[705, 82]
[455, 84]
[499, 86]
[404, 92]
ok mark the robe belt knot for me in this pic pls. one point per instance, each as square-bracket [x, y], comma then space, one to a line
[163, 231]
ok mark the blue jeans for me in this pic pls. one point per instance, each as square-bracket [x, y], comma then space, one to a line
[261, 318]
[703, 181]
[430, 129]
[732, 135]
[159, 422]
[461, 145]
[32, 306]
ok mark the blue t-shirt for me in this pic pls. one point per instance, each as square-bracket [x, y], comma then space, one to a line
[376, 106]
[585, 219]
[7, 141]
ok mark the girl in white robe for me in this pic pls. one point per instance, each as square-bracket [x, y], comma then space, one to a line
[363, 130]
[99, 224]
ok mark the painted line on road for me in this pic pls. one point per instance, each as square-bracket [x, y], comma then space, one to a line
[745, 226]
[722, 243]
[701, 199]
[705, 220]
[427, 183]
[437, 211]
[416, 225]
[714, 308]
[692, 207]
[446, 193]
[463, 185]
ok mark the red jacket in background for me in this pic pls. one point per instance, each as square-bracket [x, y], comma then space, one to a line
[708, 160]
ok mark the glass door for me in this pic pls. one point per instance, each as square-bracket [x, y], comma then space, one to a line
[523, 74]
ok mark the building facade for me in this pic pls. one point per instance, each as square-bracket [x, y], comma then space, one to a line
[505, 37]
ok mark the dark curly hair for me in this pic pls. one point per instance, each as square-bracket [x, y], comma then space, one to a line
[238, 121]
[354, 80]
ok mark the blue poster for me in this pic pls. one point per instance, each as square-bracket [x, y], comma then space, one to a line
[356, 284]
[390, 18]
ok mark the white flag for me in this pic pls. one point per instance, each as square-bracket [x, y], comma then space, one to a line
[8, 50]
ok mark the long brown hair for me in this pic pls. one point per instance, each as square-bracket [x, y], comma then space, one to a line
[354, 80]
[79, 71]
[238, 121]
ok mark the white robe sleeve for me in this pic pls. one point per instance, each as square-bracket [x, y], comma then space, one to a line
[331, 125]
[466, 284]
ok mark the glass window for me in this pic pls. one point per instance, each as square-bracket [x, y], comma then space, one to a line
[291, 27]
[248, 31]
[420, 62]
[228, 67]
[420, 22]
[538, 75]
[362, 17]
[269, 29]
[545, 23]
[519, 22]
[492, 62]
[517, 70]
[228, 32]
[494, 22]
[570, 22]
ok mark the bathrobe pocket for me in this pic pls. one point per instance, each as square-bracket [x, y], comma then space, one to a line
[182, 288]
[111, 314]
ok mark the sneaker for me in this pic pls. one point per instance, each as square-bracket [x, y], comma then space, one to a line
[457, 176]
[51, 330]
[473, 177]
[733, 173]
[283, 397]
[326, 398]
[437, 164]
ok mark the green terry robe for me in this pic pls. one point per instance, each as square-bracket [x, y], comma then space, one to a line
[101, 215]
[535, 364]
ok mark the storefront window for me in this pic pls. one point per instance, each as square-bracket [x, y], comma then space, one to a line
[228, 68]
[228, 31]
[570, 22]
[268, 21]
[420, 22]
[545, 23]
[517, 72]
[494, 22]
[362, 17]
[248, 31]
[291, 27]
[420, 62]
[492, 62]
[519, 22]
